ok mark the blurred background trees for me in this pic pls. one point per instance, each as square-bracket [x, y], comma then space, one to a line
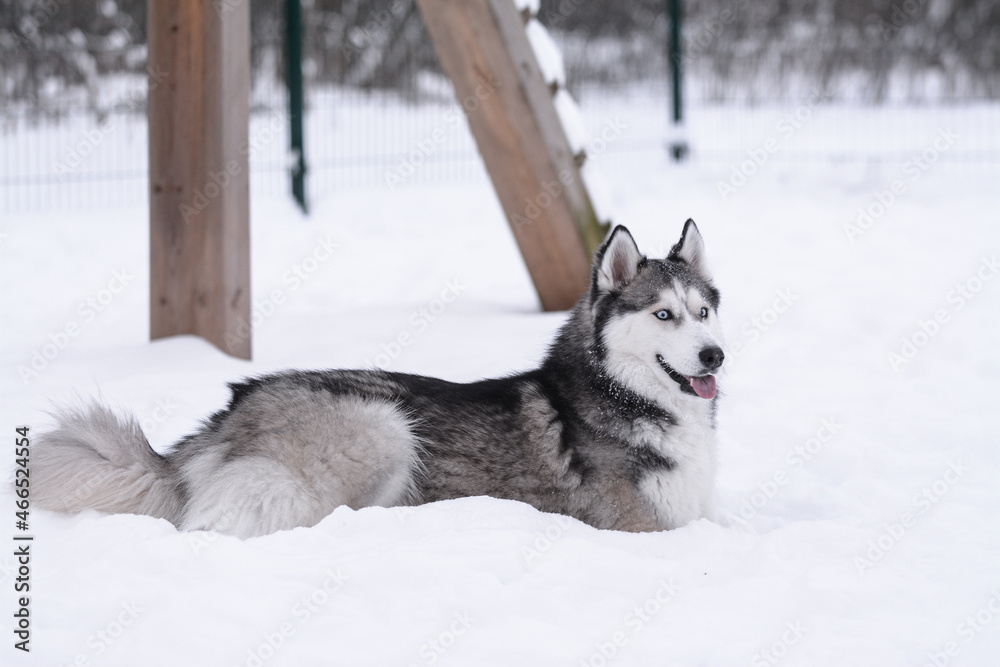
[736, 50]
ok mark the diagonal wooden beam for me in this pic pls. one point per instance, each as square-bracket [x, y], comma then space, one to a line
[485, 51]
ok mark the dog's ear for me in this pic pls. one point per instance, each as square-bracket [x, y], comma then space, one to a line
[691, 250]
[617, 261]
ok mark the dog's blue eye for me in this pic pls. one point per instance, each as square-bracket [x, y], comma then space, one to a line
[704, 313]
[664, 314]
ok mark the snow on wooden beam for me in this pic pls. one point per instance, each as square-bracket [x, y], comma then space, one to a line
[199, 212]
[485, 50]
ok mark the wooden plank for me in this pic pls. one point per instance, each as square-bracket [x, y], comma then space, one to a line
[199, 191]
[485, 51]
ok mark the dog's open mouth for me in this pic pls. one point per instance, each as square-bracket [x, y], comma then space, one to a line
[703, 385]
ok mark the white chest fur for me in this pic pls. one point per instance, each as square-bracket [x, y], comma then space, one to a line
[687, 491]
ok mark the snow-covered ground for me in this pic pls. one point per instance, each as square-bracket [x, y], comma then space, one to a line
[859, 452]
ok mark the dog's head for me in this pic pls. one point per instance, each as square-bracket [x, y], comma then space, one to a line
[657, 319]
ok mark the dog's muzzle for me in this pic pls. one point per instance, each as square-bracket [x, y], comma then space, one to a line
[703, 386]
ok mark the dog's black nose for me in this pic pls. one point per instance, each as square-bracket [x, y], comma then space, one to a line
[712, 357]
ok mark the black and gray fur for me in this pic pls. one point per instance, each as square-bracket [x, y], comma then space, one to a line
[609, 430]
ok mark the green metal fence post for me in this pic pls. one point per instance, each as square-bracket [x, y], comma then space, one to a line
[293, 26]
[678, 144]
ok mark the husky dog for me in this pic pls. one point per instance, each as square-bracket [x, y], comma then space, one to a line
[617, 427]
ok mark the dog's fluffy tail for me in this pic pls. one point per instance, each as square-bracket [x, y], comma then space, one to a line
[98, 460]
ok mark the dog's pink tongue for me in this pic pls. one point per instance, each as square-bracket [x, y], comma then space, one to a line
[703, 386]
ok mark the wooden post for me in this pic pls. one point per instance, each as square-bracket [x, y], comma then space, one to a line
[199, 191]
[485, 51]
